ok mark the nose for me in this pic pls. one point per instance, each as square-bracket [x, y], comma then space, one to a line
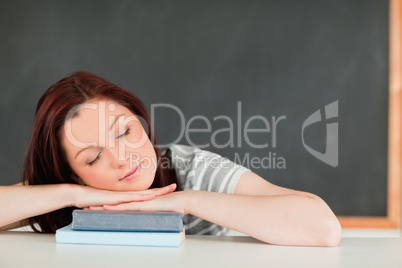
[117, 159]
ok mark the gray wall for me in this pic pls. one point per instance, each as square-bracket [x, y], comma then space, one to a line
[278, 58]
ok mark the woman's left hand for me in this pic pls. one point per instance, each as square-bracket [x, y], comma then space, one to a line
[175, 202]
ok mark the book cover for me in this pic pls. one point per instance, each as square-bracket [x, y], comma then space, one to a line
[103, 220]
[67, 235]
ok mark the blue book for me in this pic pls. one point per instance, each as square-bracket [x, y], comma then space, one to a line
[150, 221]
[67, 235]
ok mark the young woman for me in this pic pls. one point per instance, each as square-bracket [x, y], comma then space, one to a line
[92, 147]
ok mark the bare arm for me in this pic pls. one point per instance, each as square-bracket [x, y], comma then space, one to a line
[281, 219]
[270, 213]
[20, 202]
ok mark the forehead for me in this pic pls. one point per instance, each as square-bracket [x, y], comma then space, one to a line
[90, 120]
[98, 112]
[100, 108]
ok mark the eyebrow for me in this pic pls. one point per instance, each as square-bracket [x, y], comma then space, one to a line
[114, 122]
[83, 149]
[91, 146]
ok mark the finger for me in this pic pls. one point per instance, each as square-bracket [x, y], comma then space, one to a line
[124, 206]
[168, 189]
[128, 197]
[95, 208]
[138, 197]
[165, 189]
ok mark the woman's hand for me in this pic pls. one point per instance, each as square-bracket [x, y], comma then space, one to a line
[175, 202]
[159, 191]
[87, 196]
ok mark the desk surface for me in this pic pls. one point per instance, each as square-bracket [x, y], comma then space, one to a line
[26, 249]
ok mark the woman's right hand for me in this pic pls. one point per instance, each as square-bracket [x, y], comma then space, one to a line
[86, 196]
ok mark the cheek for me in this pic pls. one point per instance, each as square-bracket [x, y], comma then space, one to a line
[96, 177]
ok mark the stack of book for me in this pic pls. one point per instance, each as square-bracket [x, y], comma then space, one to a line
[134, 228]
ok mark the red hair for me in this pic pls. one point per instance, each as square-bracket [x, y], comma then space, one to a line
[45, 161]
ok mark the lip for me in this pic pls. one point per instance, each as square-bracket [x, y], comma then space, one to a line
[133, 173]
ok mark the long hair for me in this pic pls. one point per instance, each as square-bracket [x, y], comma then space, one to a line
[46, 162]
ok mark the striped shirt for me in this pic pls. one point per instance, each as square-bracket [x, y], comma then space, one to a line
[201, 170]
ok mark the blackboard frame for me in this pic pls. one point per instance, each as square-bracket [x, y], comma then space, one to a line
[393, 219]
[390, 178]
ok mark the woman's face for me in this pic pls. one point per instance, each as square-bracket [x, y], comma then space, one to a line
[107, 147]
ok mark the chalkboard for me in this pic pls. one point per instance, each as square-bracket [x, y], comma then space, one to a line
[317, 70]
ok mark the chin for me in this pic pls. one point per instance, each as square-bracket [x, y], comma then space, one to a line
[134, 186]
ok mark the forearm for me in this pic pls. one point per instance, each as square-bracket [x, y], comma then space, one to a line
[281, 219]
[20, 202]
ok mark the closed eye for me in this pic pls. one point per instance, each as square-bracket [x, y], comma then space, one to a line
[124, 134]
[95, 160]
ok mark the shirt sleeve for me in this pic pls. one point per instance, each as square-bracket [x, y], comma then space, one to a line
[207, 171]
[201, 170]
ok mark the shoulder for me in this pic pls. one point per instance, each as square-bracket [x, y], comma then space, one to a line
[199, 169]
[184, 150]
[194, 158]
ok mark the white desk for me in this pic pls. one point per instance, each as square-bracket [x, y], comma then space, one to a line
[25, 249]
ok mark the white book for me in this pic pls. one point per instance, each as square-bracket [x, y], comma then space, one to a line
[67, 235]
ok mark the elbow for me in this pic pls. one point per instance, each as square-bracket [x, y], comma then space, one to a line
[332, 232]
[330, 228]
